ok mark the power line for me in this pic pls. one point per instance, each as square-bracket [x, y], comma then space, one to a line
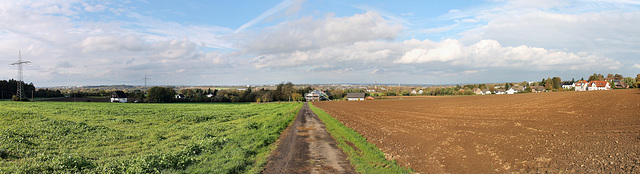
[20, 92]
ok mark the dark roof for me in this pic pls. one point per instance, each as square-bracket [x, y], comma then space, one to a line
[355, 95]
[118, 94]
[567, 83]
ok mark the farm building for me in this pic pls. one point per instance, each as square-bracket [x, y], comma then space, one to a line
[118, 97]
[355, 96]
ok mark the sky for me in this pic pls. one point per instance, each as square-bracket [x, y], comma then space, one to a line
[208, 42]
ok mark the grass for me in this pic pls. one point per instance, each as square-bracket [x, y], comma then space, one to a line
[65, 137]
[364, 156]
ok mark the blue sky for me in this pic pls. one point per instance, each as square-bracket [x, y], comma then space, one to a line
[327, 41]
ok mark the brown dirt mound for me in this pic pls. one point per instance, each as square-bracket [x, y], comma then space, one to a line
[584, 132]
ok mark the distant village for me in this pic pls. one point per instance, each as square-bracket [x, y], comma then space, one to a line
[307, 92]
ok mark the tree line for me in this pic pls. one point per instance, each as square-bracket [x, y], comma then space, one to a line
[283, 92]
[9, 88]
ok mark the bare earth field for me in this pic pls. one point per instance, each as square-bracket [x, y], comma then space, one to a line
[583, 132]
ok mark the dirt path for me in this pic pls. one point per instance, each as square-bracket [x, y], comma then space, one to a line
[306, 147]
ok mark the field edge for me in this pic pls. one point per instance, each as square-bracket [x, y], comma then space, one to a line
[364, 156]
[262, 158]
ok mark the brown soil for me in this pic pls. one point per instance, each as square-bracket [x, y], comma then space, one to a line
[576, 132]
[306, 147]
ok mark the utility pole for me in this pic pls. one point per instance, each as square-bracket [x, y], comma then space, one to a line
[20, 92]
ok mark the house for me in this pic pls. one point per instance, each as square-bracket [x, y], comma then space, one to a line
[370, 90]
[486, 92]
[500, 91]
[519, 88]
[537, 89]
[477, 91]
[511, 91]
[180, 96]
[620, 84]
[370, 98]
[316, 96]
[417, 92]
[118, 97]
[598, 85]
[567, 85]
[580, 85]
[355, 96]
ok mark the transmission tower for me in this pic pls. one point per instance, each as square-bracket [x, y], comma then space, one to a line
[20, 92]
[145, 80]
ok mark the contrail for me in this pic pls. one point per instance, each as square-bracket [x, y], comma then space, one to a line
[281, 6]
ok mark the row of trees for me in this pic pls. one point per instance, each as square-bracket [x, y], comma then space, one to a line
[9, 88]
[283, 92]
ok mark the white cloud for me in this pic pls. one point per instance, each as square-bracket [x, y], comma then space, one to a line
[636, 65]
[309, 34]
[445, 51]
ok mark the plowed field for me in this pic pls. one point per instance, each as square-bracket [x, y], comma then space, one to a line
[595, 131]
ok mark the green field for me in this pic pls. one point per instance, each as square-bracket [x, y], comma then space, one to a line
[61, 137]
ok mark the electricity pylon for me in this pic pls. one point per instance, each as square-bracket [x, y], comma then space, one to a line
[20, 92]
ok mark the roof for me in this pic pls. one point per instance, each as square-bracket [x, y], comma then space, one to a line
[579, 83]
[599, 83]
[118, 94]
[567, 83]
[355, 95]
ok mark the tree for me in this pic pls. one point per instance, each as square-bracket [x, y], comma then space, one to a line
[506, 86]
[629, 81]
[556, 82]
[618, 76]
[638, 78]
[596, 77]
[161, 94]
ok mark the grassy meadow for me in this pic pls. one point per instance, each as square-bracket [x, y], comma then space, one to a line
[62, 137]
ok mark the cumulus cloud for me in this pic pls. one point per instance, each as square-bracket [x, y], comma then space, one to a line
[309, 33]
[636, 65]
[490, 53]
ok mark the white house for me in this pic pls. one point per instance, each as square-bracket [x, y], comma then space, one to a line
[417, 92]
[486, 92]
[580, 85]
[567, 85]
[477, 91]
[355, 96]
[500, 91]
[118, 97]
[598, 85]
[511, 91]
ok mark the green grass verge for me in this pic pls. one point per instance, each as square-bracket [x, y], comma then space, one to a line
[66, 137]
[364, 156]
